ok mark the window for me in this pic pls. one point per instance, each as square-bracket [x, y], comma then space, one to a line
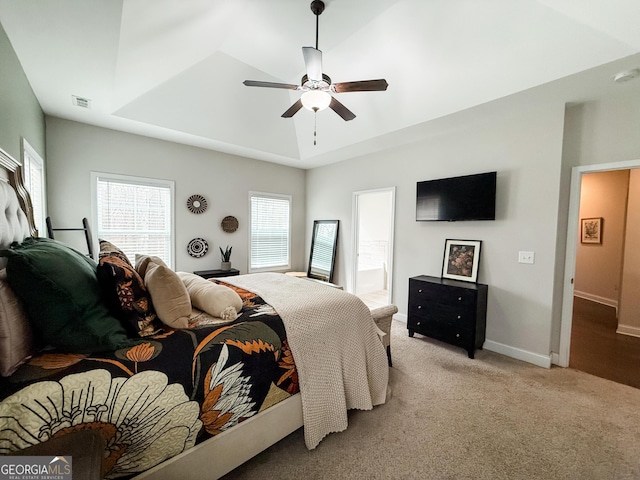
[33, 172]
[269, 232]
[135, 214]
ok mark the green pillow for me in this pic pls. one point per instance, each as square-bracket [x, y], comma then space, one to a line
[60, 291]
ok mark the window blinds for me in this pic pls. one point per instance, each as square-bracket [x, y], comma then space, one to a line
[33, 173]
[270, 231]
[136, 217]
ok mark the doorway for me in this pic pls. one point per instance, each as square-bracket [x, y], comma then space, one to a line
[584, 331]
[372, 269]
[605, 325]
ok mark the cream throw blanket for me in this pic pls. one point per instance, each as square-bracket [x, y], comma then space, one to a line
[340, 360]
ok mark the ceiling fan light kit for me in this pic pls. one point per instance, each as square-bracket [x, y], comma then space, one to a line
[315, 100]
[316, 87]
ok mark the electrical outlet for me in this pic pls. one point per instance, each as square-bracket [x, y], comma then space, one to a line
[526, 257]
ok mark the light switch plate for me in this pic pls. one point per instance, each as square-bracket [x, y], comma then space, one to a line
[526, 257]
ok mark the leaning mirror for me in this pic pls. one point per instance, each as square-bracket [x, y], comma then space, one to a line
[324, 240]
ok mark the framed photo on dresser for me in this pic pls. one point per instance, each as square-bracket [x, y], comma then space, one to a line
[461, 260]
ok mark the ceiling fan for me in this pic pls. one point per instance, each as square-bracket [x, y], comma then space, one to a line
[316, 86]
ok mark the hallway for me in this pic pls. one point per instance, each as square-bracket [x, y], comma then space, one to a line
[597, 349]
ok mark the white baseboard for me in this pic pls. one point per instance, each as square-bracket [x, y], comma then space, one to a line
[519, 354]
[400, 316]
[555, 358]
[596, 298]
[628, 330]
[513, 352]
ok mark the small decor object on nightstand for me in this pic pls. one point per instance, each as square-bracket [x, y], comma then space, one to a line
[197, 247]
[196, 203]
[229, 224]
[225, 255]
[461, 260]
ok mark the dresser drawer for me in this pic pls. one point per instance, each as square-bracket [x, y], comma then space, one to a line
[455, 315]
[441, 294]
[443, 331]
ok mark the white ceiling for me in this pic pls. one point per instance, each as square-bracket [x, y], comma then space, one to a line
[174, 69]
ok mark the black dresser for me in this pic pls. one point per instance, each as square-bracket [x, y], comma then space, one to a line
[448, 310]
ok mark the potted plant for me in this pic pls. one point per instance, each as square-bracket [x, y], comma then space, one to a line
[225, 255]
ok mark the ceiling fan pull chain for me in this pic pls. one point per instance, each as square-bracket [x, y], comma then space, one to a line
[315, 125]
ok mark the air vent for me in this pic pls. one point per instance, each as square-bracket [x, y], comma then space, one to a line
[81, 102]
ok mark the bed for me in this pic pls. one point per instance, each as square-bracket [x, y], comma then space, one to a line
[201, 397]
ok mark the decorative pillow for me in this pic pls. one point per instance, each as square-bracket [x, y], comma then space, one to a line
[59, 288]
[217, 300]
[168, 294]
[200, 319]
[143, 262]
[109, 249]
[126, 295]
[16, 337]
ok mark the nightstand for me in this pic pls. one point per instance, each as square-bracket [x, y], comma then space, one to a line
[217, 273]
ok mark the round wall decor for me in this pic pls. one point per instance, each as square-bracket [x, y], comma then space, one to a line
[229, 224]
[196, 203]
[197, 247]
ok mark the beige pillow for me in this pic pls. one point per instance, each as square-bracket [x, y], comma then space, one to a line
[168, 294]
[143, 262]
[217, 300]
[16, 336]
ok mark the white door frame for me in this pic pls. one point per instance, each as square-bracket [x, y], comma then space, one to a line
[355, 216]
[571, 249]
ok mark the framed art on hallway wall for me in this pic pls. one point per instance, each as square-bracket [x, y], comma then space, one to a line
[591, 230]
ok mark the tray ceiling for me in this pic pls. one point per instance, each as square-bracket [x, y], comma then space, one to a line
[174, 70]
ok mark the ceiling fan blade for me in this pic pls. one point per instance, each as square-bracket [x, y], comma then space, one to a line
[257, 83]
[361, 86]
[313, 63]
[341, 110]
[293, 109]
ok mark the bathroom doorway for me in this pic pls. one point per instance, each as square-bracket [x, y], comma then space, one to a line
[373, 245]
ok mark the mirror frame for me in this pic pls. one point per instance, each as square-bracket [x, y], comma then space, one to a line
[316, 224]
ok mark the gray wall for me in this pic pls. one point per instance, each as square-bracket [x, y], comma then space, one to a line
[525, 147]
[20, 112]
[75, 150]
[599, 131]
[533, 150]
[604, 130]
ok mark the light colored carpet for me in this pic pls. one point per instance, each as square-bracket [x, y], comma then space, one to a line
[451, 417]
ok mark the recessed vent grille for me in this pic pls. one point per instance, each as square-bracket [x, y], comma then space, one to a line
[81, 102]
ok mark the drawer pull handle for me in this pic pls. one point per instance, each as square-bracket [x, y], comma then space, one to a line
[459, 317]
[420, 291]
[459, 298]
[457, 335]
[418, 323]
[419, 307]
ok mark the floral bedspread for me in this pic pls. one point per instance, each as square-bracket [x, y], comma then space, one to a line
[157, 398]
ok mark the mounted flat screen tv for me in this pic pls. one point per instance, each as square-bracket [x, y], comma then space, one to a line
[470, 197]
